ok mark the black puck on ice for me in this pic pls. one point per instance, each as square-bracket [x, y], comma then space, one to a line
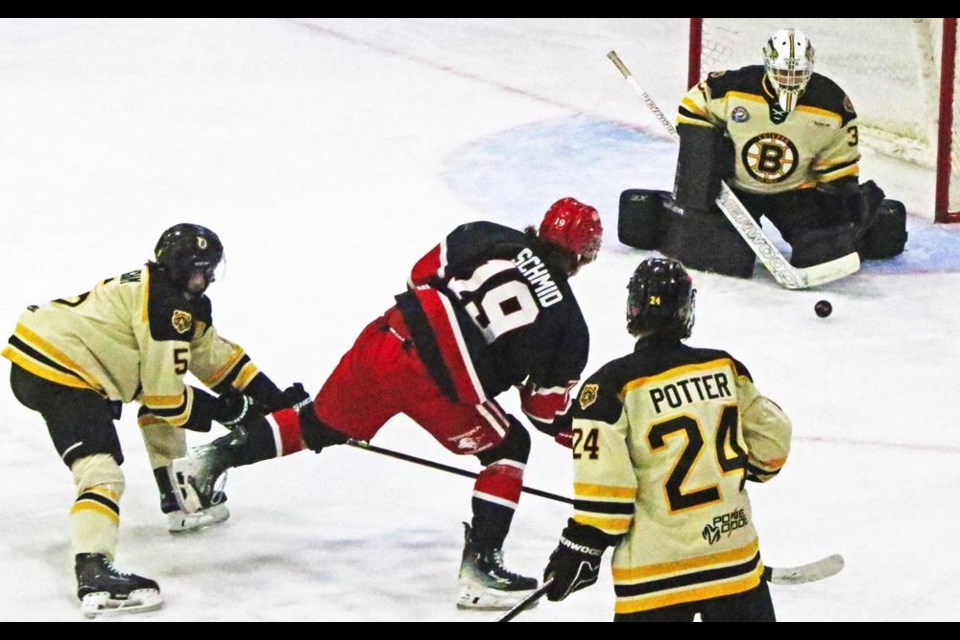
[823, 308]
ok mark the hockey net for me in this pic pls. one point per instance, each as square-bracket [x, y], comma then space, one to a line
[901, 73]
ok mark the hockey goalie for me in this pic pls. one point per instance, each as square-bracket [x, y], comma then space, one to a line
[786, 140]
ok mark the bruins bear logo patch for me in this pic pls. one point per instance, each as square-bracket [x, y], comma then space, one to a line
[181, 321]
[588, 395]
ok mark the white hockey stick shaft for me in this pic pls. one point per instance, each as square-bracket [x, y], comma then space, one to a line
[749, 229]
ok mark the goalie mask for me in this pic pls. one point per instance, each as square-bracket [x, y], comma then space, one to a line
[660, 300]
[189, 256]
[788, 59]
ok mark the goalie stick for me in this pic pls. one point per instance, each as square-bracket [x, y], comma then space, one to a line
[749, 229]
[801, 574]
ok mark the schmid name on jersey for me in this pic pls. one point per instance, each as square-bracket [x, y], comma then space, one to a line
[539, 278]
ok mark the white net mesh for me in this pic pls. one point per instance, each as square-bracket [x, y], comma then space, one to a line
[890, 68]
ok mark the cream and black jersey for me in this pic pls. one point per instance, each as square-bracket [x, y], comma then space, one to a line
[134, 337]
[777, 151]
[664, 439]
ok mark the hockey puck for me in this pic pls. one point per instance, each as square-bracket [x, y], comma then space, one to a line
[823, 308]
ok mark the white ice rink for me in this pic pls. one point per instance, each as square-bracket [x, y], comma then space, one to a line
[329, 155]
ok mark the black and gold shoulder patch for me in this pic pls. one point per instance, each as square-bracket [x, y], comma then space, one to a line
[588, 395]
[171, 315]
[182, 321]
[598, 398]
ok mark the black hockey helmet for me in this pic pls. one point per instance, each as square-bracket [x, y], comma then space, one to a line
[186, 248]
[660, 300]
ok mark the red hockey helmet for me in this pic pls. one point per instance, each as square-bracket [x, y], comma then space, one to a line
[574, 227]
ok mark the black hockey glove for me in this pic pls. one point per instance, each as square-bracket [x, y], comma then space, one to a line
[575, 563]
[233, 408]
[293, 397]
[316, 433]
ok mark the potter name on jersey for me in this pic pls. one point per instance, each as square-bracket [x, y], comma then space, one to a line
[694, 389]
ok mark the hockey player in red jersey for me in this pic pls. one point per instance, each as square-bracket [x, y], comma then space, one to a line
[486, 309]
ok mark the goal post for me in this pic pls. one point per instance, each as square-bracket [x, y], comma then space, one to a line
[948, 142]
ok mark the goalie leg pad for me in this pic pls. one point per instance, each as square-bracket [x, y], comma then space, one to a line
[638, 223]
[887, 236]
[706, 241]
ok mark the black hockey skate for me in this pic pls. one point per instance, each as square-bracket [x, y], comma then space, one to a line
[485, 583]
[198, 479]
[104, 590]
[178, 520]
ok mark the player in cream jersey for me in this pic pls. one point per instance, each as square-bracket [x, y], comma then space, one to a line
[787, 142]
[133, 337]
[664, 440]
[776, 150]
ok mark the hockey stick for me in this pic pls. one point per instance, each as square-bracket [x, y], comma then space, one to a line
[819, 570]
[366, 446]
[801, 574]
[526, 603]
[811, 572]
[749, 229]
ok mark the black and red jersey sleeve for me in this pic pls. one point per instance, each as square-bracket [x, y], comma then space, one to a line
[489, 313]
[463, 250]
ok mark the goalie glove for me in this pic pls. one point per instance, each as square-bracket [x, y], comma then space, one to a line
[575, 563]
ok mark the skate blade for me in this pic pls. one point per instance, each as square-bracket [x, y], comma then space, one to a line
[181, 522]
[486, 599]
[99, 604]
